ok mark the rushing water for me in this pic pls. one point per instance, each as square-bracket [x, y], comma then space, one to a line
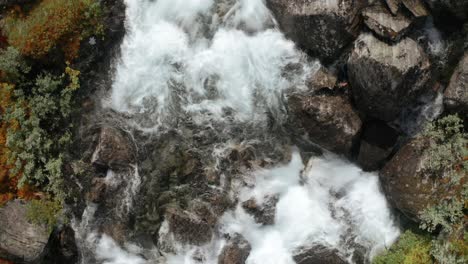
[224, 64]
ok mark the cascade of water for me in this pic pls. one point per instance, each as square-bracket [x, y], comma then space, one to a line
[224, 62]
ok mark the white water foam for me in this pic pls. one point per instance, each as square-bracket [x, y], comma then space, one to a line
[207, 58]
[318, 206]
[177, 56]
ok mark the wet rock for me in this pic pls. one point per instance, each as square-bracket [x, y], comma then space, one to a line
[20, 240]
[408, 183]
[384, 24]
[114, 150]
[456, 94]
[263, 213]
[458, 8]
[188, 227]
[62, 247]
[385, 78]
[323, 78]
[323, 28]
[97, 192]
[377, 143]
[329, 121]
[318, 254]
[236, 251]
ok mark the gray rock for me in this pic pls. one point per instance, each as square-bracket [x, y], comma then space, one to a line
[456, 94]
[114, 149]
[416, 7]
[263, 213]
[20, 240]
[384, 24]
[393, 5]
[329, 121]
[408, 183]
[323, 78]
[385, 78]
[188, 227]
[323, 28]
[236, 251]
[318, 254]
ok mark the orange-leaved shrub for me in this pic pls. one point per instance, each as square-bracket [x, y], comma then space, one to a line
[53, 23]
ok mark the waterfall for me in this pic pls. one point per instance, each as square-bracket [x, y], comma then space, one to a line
[223, 65]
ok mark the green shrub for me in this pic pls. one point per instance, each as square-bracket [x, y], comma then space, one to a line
[409, 249]
[44, 212]
[12, 65]
[44, 134]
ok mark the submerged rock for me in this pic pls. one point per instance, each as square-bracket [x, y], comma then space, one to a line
[20, 240]
[323, 28]
[318, 254]
[408, 183]
[329, 121]
[263, 213]
[385, 78]
[384, 24]
[236, 251]
[456, 94]
[114, 149]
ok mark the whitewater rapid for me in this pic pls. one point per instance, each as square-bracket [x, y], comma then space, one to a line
[225, 62]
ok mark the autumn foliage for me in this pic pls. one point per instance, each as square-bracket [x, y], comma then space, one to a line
[52, 23]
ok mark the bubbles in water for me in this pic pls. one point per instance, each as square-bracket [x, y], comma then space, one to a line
[330, 203]
[172, 61]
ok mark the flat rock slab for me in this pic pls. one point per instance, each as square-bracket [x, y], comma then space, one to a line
[384, 24]
[20, 240]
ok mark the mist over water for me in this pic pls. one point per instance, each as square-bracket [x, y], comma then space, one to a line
[225, 62]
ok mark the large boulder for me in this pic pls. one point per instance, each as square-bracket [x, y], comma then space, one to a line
[236, 251]
[328, 120]
[385, 78]
[456, 94]
[409, 184]
[20, 240]
[114, 150]
[384, 24]
[318, 254]
[323, 28]
[458, 8]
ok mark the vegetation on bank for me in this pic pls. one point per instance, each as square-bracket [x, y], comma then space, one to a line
[53, 23]
[444, 239]
[37, 101]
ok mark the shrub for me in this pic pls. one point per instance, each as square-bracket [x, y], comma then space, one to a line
[409, 249]
[44, 212]
[12, 65]
[53, 23]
